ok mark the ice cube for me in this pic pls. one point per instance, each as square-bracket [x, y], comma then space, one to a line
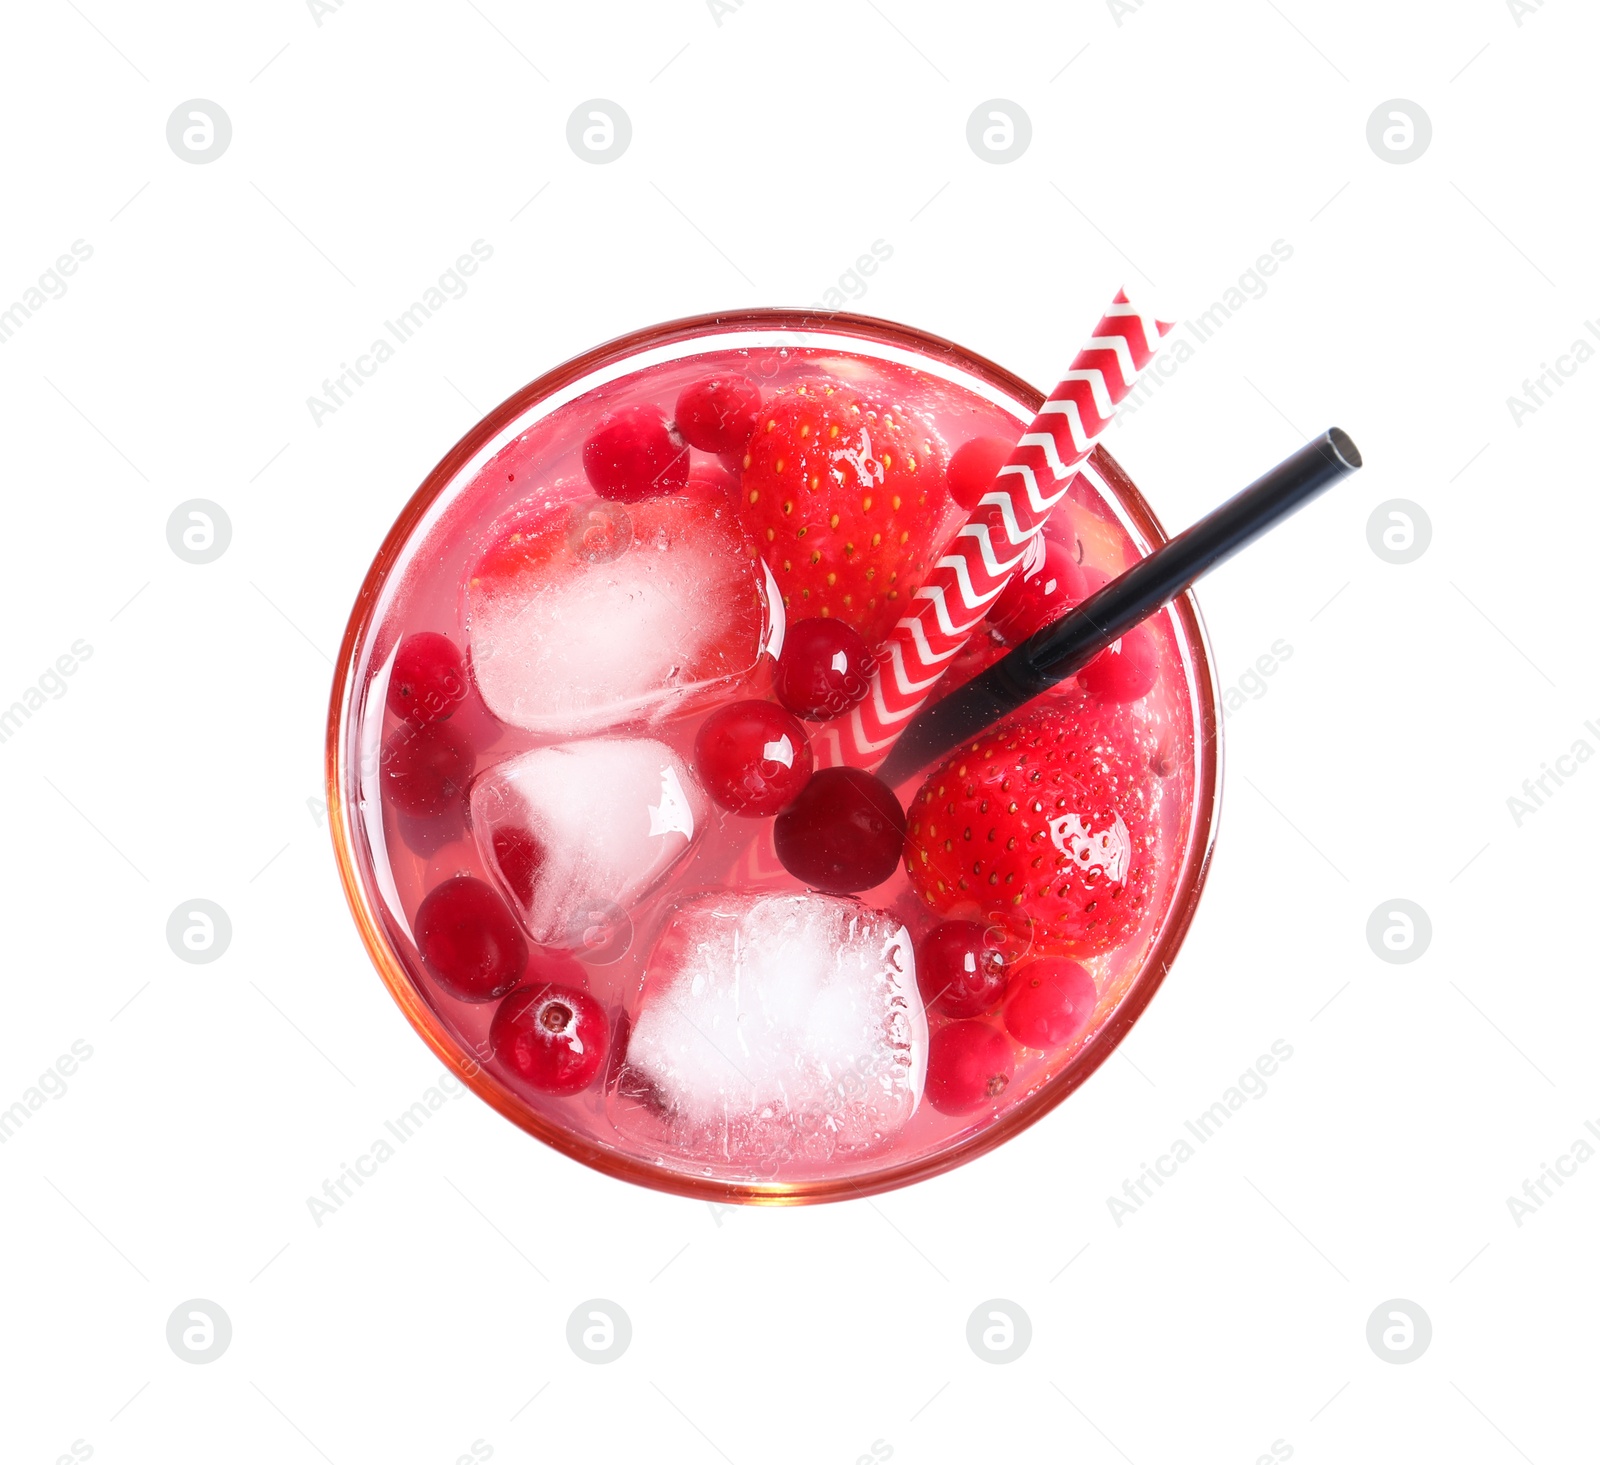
[582, 827]
[587, 614]
[775, 1028]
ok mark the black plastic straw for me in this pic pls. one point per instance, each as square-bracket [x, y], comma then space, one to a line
[1067, 645]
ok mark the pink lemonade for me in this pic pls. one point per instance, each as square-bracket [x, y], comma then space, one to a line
[587, 752]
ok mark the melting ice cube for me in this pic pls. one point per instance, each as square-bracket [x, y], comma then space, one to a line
[775, 1027]
[583, 827]
[586, 615]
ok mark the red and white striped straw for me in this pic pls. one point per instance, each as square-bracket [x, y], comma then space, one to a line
[979, 561]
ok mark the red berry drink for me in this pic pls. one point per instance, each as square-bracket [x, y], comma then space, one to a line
[587, 788]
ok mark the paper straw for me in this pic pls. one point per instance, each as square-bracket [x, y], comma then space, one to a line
[978, 562]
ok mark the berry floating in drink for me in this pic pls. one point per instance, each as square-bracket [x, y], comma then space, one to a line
[825, 669]
[752, 757]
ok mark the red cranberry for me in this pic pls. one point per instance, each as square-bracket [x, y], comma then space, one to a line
[1049, 1002]
[1048, 585]
[969, 1066]
[1126, 669]
[825, 668]
[426, 770]
[845, 832]
[469, 940]
[718, 416]
[552, 1037]
[428, 678]
[519, 855]
[959, 972]
[974, 467]
[752, 757]
[632, 455]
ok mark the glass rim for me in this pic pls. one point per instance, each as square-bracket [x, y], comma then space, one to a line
[431, 1027]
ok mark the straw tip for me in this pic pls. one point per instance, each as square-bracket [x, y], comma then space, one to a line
[1153, 327]
[1344, 447]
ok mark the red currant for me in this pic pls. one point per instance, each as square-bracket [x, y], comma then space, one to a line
[428, 678]
[519, 855]
[1126, 669]
[1049, 1002]
[426, 770]
[845, 832]
[552, 1037]
[969, 1065]
[825, 668]
[959, 972]
[1048, 585]
[974, 467]
[633, 455]
[469, 941]
[718, 416]
[752, 757]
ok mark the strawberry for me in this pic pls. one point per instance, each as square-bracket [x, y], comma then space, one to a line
[1046, 824]
[845, 498]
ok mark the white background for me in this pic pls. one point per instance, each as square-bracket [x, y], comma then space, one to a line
[768, 152]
